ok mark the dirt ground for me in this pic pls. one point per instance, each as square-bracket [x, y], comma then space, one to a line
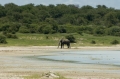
[13, 65]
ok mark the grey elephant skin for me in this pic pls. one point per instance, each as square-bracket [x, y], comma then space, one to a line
[63, 42]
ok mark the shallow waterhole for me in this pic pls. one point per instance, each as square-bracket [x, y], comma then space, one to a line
[82, 57]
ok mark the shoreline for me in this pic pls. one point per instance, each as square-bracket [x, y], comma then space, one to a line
[117, 47]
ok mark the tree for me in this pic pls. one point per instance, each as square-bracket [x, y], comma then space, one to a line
[71, 38]
[45, 29]
[101, 6]
[54, 11]
[2, 11]
[24, 29]
[99, 30]
[62, 29]
[10, 8]
[5, 27]
[3, 39]
[60, 18]
[85, 29]
[14, 27]
[111, 19]
[43, 14]
[86, 7]
[115, 31]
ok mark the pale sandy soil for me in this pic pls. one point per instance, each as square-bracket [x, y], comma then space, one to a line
[13, 65]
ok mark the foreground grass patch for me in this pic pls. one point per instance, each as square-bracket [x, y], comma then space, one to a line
[34, 76]
[38, 76]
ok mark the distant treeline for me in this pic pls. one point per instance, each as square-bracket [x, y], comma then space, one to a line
[59, 18]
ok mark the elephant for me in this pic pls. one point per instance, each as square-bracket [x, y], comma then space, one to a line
[64, 41]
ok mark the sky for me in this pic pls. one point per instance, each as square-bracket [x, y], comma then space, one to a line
[109, 3]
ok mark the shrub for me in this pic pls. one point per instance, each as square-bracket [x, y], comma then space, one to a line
[47, 37]
[3, 39]
[11, 36]
[62, 29]
[93, 42]
[24, 29]
[99, 31]
[115, 31]
[45, 29]
[80, 33]
[85, 29]
[71, 38]
[115, 42]
[4, 33]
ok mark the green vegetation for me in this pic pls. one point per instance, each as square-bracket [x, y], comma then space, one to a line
[60, 18]
[3, 39]
[61, 77]
[38, 76]
[41, 25]
[115, 42]
[53, 39]
[71, 38]
[93, 42]
[34, 76]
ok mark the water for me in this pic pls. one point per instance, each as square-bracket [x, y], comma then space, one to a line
[86, 57]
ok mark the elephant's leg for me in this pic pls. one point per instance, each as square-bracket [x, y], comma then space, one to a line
[68, 45]
[61, 45]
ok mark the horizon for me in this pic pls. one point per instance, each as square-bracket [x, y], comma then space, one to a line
[57, 4]
[93, 3]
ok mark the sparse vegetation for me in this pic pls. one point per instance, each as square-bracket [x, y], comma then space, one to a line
[3, 39]
[71, 38]
[61, 77]
[53, 39]
[38, 76]
[11, 36]
[34, 76]
[93, 42]
[115, 42]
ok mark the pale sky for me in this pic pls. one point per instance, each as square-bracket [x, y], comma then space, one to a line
[109, 3]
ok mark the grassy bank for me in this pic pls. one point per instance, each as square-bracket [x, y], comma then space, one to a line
[53, 39]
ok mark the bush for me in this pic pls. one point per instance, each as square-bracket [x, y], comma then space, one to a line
[93, 42]
[62, 29]
[115, 42]
[71, 38]
[85, 29]
[3, 39]
[80, 33]
[11, 36]
[99, 31]
[4, 33]
[115, 31]
[45, 29]
[24, 29]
